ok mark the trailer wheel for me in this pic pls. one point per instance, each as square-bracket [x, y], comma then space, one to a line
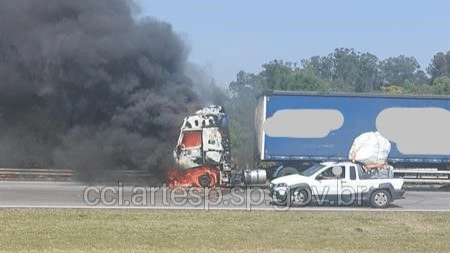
[380, 199]
[204, 180]
[287, 171]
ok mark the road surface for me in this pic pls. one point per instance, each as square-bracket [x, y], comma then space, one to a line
[75, 195]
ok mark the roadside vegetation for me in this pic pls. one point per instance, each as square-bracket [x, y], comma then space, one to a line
[346, 70]
[128, 230]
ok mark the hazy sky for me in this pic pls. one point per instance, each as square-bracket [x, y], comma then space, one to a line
[228, 36]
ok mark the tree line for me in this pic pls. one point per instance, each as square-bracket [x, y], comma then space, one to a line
[346, 70]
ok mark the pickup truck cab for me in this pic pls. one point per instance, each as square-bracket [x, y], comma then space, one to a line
[337, 183]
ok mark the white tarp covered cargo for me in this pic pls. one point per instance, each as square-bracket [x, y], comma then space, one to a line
[371, 149]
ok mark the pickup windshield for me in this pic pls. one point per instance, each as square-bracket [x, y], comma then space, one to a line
[312, 170]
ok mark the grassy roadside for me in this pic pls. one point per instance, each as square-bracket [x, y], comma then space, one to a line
[127, 230]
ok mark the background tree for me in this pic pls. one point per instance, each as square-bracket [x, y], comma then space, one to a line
[322, 67]
[368, 74]
[243, 80]
[275, 75]
[397, 70]
[305, 80]
[345, 64]
[240, 107]
[439, 66]
[346, 70]
[420, 77]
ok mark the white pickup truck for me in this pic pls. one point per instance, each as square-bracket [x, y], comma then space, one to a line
[337, 183]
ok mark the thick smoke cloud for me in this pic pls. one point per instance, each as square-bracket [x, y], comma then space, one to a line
[84, 85]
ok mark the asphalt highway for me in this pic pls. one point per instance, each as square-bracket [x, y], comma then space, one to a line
[76, 195]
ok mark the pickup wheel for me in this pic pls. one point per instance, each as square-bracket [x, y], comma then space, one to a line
[300, 197]
[380, 199]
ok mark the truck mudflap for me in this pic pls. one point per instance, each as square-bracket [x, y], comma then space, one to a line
[203, 176]
[398, 194]
[395, 193]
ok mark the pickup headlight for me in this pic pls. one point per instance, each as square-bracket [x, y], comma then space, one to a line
[275, 186]
[281, 189]
[279, 193]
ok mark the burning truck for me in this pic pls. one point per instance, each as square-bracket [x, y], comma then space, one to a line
[203, 153]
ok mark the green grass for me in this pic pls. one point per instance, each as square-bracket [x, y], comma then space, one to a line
[127, 230]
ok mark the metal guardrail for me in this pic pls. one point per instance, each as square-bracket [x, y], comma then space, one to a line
[64, 175]
[14, 174]
[411, 176]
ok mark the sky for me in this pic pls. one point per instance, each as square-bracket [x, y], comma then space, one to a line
[226, 37]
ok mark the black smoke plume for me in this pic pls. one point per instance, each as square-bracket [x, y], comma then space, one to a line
[84, 85]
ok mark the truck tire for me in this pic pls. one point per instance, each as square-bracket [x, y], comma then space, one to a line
[204, 180]
[380, 198]
[300, 197]
[287, 171]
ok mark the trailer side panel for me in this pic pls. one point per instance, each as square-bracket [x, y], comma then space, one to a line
[315, 127]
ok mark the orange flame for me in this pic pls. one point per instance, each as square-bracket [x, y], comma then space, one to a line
[204, 176]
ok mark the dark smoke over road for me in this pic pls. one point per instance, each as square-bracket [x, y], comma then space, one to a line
[84, 85]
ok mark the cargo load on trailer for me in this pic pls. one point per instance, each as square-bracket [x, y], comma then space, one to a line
[370, 149]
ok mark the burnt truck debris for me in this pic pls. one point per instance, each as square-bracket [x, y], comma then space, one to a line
[203, 153]
[204, 139]
[296, 130]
